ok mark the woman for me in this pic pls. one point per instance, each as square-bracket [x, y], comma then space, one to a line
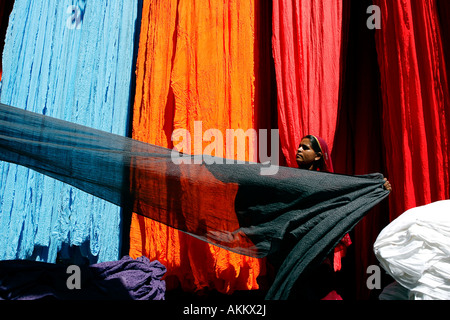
[313, 154]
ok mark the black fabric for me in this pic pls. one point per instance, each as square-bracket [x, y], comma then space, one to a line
[295, 217]
[304, 214]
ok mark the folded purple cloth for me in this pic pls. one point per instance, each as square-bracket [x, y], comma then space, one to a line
[126, 279]
[141, 277]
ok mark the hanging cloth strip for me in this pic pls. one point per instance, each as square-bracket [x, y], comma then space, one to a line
[296, 217]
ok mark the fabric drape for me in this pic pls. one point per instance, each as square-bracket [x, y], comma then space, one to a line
[414, 250]
[196, 63]
[78, 72]
[294, 217]
[124, 279]
[359, 146]
[416, 108]
[307, 54]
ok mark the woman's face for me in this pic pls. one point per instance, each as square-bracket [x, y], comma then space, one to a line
[306, 155]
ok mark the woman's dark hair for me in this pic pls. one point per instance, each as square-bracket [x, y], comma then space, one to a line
[320, 164]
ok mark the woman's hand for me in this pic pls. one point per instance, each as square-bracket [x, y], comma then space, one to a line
[387, 185]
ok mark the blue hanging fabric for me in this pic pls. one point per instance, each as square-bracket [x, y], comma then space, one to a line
[71, 60]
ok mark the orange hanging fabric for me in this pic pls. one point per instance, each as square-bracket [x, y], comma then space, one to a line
[195, 72]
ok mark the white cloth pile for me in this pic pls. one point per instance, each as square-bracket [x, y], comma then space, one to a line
[415, 250]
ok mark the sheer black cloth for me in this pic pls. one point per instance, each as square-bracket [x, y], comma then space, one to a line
[295, 217]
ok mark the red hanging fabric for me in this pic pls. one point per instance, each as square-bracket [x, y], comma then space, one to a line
[307, 53]
[416, 109]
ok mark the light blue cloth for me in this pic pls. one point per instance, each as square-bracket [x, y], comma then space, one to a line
[71, 60]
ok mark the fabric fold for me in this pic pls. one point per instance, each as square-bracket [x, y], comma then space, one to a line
[295, 216]
[196, 76]
[71, 60]
[415, 248]
[125, 279]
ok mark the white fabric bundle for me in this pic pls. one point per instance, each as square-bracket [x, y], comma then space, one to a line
[415, 250]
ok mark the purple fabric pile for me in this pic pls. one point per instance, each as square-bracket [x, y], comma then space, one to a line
[126, 279]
